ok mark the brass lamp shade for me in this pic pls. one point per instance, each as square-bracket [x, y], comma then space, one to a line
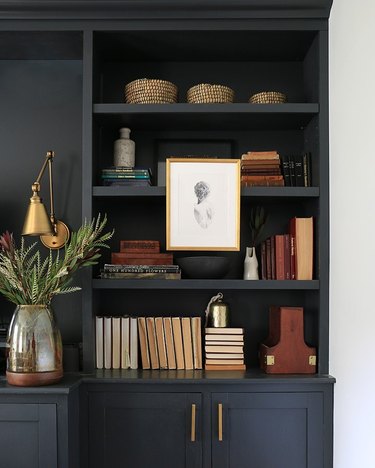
[37, 222]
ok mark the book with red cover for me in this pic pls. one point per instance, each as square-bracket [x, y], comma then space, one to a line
[263, 260]
[279, 257]
[263, 183]
[120, 258]
[273, 258]
[287, 256]
[268, 259]
[259, 178]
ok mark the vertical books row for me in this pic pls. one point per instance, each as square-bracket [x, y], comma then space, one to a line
[170, 342]
[289, 256]
[116, 342]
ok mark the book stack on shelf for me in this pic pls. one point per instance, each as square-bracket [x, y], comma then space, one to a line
[261, 168]
[170, 342]
[141, 259]
[297, 170]
[126, 176]
[224, 349]
[116, 343]
[289, 256]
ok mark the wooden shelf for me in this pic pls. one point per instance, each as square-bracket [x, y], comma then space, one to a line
[229, 284]
[182, 116]
[154, 191]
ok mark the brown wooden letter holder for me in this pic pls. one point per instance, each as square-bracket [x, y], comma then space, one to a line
[285, 350]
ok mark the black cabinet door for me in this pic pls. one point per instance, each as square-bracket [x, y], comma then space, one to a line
[142, 430]
[267, 430]
[28, 436]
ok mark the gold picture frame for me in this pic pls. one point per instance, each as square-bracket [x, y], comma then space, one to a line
[203, 204]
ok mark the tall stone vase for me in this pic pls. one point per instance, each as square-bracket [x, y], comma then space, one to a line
[34, 347]
[250, 271]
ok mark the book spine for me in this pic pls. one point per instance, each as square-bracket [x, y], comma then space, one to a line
[107, 342]
[263, 260]
[287, 256]
[151, 336]
[196, 325]
[133, 343]
[187, 342]
[99, 342]
[177, 337]
[298, 167]
[221, 330]
[286, 171]
[160, 340]
[141, 269]
[143, 343]
[139, 246]
[268, 259]
[116, 342]
[292, 236]
[125, 342]
[273, 258]
[171, 356]
[167, 276]
[292, 172]
[280, 260]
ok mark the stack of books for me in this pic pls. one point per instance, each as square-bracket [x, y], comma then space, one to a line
[224, 349]
[126, 176]
[170, 342]
[261, 168]
[141, 259]
[116, 343]
[289, 256]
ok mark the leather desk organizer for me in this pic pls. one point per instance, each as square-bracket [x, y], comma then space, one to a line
[285, 350]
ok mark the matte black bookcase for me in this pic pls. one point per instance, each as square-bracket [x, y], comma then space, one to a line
[250, 56]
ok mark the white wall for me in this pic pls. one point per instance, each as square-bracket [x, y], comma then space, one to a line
[352, 174]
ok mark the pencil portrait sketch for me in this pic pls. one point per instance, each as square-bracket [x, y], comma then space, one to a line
[203, 209]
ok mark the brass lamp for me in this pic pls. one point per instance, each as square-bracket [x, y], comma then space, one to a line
[53, 233]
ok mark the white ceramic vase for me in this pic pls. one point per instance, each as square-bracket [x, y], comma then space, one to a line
[250, 271]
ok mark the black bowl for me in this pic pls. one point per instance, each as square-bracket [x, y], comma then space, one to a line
[204, 267]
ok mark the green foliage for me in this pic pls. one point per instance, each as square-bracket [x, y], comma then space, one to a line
[27, 279]
[258, 219]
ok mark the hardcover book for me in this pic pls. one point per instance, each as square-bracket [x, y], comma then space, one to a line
[99, 342]
[169, 342]
[143, 343]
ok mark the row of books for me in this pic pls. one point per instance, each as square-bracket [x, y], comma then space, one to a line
[116, 344]
[170, 342]
[297, 170]
[289, 256]
[224, 348]
[126, 176]
[261, 168]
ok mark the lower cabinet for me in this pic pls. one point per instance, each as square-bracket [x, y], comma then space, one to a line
[267, 430]
[206, 428]
[28, 436]
[145, 430]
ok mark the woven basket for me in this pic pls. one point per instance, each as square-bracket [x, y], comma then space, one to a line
[207, 93]
[145, 91]
[268, 97]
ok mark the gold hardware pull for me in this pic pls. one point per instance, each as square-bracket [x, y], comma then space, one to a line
[220, 422]
[193, 419]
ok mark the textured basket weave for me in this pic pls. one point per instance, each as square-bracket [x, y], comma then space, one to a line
[205, 93]
[146, 91]
[268, 97]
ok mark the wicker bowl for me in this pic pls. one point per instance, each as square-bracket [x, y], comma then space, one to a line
[205, 93]
[147, 91]
[268, 97]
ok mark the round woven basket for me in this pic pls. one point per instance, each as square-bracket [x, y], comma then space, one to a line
[268, 97]
[147, 91]
[205, 93]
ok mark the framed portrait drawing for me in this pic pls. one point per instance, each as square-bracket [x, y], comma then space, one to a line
[203, 204]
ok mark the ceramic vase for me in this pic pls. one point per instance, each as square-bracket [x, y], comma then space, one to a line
[34, 347]
[124, 149]
[250, 271]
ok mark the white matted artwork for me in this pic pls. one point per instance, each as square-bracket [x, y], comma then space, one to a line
[203, 204]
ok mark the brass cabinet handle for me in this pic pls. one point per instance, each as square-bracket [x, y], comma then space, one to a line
[193, 421]
[220, 422]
